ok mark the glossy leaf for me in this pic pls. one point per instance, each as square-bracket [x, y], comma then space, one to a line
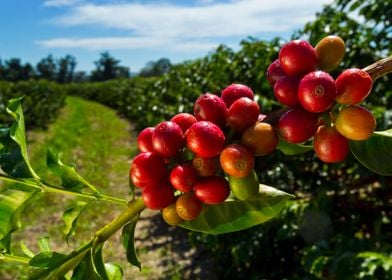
[12, 203]
[376, 152]
[128, 239]
[114, 271]
[236, 215]
[291, 149]
[91, 267]
[71, 216]
[46, 259]
[13, 152]
[69, 177]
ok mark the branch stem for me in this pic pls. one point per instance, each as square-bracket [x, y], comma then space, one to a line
[379, 68]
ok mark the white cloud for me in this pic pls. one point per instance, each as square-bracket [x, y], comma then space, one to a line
[126, 43]
[156, 25]
[60, 3]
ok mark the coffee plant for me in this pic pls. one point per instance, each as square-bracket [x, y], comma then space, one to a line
[199, 169]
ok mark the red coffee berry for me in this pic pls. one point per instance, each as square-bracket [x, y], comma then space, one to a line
[147, 169]
[183, 177]
[212, 190]
[188, 206]
[210, 107]
[167, 139]
[206, 166]
[353, 86]
[330, 146]
[317, 92]
[184, 120]
[242, 114]
[157, 197]
[298, 57]
[274, 72]
[205, 139]
[286, 90]
[297, 125]
[234, 92]
[237, 161]
[144, 140]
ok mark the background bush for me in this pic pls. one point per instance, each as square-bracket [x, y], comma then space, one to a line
[41, 103]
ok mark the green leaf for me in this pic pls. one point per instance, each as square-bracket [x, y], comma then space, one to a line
[376, 152]
[128, 240]
[69, 177]
[43, 244]
[91, 267]
[236, 215]
[70, 218]
[13, 152]
[114, 271]
[26, 250]
[291, 149]
[46, 259]
[12, 203]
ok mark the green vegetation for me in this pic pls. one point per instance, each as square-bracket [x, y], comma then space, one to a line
[337, 228]
[42, 101]
[94, 139]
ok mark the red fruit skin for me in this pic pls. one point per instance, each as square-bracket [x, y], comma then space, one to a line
[183, 177]
[184, 120]
[234, 92]
[205, 139]
[144, 140]
[243, 113]
[317, 92]
[330, 146]
[210, 107]
[212, 190]
[206, 166]
[147, 169]
[274, 72]
[167, 139]
[286, 90]
[298, 57]
[353, 86]
[157, 197]
[297, 125]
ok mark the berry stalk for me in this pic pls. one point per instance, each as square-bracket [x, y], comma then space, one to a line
[379, 68]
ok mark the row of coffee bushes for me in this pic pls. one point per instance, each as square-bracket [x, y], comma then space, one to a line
[41, 103]
[147, 101]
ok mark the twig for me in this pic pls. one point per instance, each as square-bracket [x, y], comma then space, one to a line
[379, 68]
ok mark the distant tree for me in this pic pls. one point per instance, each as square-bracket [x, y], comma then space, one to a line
[47, 68]
[156, 68]
[66, 68]
[1, 70]
[14, 70]
[80, 76]
[107, 67]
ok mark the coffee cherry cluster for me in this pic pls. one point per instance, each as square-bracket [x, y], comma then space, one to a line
[201, 158]
[319, 105]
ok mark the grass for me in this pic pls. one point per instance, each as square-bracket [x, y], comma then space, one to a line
[100, 144]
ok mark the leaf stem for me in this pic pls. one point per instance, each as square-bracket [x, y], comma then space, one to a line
[379, 68]
[46, 187]
[12, 258]
[135, 207]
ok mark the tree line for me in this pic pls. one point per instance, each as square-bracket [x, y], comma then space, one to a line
[63, 70]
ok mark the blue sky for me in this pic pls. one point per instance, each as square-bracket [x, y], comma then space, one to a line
[140, 31]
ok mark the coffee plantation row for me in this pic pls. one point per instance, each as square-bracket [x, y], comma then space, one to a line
[337, 227]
